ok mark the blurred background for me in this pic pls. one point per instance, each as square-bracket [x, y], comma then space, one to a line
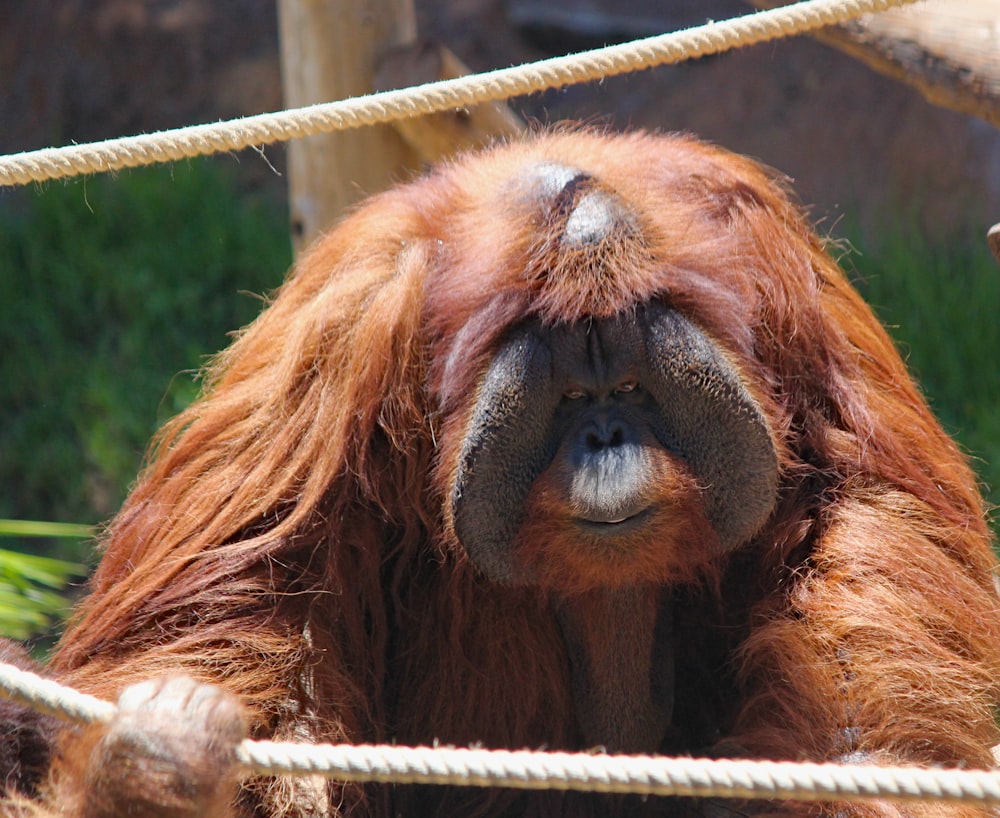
[116, 288]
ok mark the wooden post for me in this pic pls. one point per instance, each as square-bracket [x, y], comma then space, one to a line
[436, 136]
[948, 51]
[329, 51]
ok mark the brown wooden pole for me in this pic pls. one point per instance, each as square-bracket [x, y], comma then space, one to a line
[949, 51]
[329, 51]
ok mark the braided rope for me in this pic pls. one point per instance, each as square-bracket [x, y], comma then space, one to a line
[181, 143]
[643, 775]
[51, 697]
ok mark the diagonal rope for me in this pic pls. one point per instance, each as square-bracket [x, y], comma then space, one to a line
[645, 775]
[52, 698]
[181, 143]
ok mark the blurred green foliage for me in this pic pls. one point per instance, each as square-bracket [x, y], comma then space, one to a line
[114, 290]
[29, 586]
[941, 302]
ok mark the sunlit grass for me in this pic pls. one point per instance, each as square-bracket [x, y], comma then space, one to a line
[941, 301]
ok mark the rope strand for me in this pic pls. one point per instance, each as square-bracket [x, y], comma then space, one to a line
[52, 698]
[644, 775]
[183, 143]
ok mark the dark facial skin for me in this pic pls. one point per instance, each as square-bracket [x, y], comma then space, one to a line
[597, 401]
[603, 422]
[606, 460]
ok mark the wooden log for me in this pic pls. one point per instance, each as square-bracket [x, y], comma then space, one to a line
[949, 50]
[329, 51]
[437, 136]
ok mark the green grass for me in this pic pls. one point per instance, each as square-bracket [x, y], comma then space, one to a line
[942, 304]
[114, 291]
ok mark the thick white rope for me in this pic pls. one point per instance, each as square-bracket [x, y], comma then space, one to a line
[645, 775]
[181, 143]
[47, 696]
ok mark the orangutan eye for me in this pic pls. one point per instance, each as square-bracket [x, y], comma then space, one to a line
[573, 393]
[627, 386]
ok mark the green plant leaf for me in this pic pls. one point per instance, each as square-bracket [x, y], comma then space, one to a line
[36, 528]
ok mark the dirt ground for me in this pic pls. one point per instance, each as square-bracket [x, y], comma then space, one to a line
[853, 142]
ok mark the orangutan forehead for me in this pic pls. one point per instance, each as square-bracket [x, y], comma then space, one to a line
[577, 204]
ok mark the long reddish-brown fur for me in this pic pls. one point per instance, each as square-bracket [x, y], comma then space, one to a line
[288, 539]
